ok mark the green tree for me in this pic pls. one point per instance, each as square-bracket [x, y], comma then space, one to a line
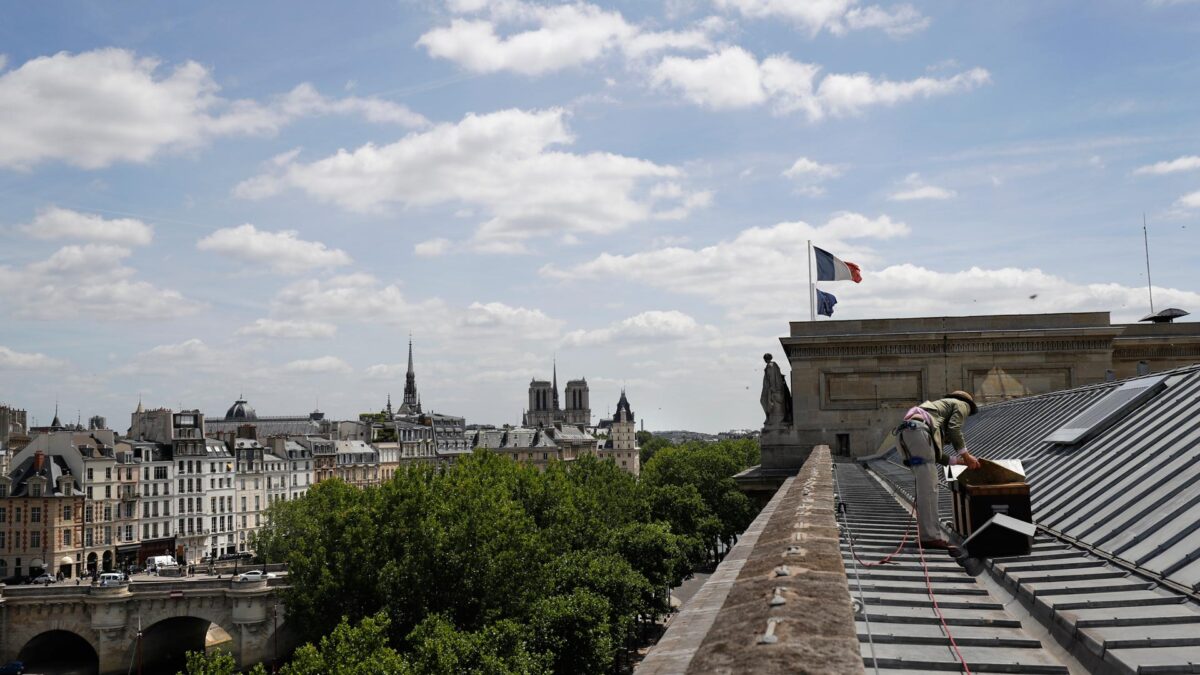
[502, 648]
[650, 444]
[351, 650]
[574, 629]
[215, 663]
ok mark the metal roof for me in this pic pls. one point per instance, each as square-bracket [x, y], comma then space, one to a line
[904, 633]
[1133, 491]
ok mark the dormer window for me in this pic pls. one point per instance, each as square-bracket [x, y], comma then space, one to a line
[35, 490]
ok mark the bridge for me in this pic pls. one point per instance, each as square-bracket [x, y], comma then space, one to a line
[96, 627]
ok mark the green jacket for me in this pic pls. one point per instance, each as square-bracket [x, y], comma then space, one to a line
[949, 415]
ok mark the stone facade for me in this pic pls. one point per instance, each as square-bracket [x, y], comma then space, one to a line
[852, 380]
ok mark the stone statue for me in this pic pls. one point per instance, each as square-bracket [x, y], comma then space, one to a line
[776, 399]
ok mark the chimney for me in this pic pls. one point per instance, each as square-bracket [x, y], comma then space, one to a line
[39, 460]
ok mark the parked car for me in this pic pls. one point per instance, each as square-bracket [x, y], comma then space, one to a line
[111, 578]
[12, 668]
[45, 579]
[255, 575]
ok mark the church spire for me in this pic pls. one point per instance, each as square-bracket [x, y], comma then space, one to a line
[411, 403]
[556, 382]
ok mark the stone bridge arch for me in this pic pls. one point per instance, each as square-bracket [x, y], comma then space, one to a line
[56, 648]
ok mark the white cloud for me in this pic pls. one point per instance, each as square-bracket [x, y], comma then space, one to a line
[734, 78]
[497, 317]
[1185, 163]
[915, 189]
[557, 37]
[386, 371]
[282, 328]
[432, 248]
[87, 281]
[768, 266]
[508, 164]
[14, 360]
[54, 222]
[1190, 200]
[281, 251]
[808, 175]
[355, 296]
[654, 325]
[321, 364]
[836, 16]
[97, 108]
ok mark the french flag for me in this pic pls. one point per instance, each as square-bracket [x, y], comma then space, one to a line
[832, 268]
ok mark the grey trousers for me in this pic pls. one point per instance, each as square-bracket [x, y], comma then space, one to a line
[918, 443]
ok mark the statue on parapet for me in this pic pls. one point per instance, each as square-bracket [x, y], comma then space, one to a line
[776, 399]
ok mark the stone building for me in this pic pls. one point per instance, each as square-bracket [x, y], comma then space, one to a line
[41, 518]
[249, 456]
[220, 495]
[622, 445]
[14, 427]
[356, 463]
[545, 411]
[852, 380]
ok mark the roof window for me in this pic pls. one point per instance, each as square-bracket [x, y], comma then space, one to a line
[1107, 411]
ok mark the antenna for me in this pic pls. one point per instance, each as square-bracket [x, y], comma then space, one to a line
[1146, 241]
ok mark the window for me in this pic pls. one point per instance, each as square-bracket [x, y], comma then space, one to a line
[107, 512]
[89, 492]
[154, 530]
[35, 514]
[87, 536]
[66, 537]
[35, 540]
[166, 508]
[108, 535]
[87, 513]
[243, 503]
[108, 473]
[89, 474]
[108, 492]
[35, 490]
[145, 531]
[3, 514]
[160, 473]
[1, 544]
[181, 504]
[146, 509]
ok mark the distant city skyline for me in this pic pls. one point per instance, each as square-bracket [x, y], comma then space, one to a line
[195, 207]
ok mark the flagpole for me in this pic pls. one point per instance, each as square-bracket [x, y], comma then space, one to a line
[812, 287]
[1146, 241]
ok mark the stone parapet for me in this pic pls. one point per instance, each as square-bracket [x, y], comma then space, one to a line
[780, 600]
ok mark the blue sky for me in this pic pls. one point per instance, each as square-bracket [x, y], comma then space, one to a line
[267, 198]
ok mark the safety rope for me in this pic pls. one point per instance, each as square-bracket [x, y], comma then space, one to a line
[932, 598]
[841, 509]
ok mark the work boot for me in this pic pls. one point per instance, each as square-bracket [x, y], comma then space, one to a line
[941, 545]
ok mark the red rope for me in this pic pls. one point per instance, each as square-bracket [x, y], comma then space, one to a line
[938, 610]
[889, 556]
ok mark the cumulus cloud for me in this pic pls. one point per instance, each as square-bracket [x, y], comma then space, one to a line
[282, 328]
[508, 164]
[14, 360]
[651, 326]
[386, 371]
[914, 189]
[767, 264]
[97, 108]
[1190, 200]
[734, 78]
[282, 251]
[836, 16]
[89, 281]
[54, 222]
[432, 248]
[808, 175]
[321, 364]
[355, 296]
[1185, 163]
[548, 38]
[759, 260]
[497, 317]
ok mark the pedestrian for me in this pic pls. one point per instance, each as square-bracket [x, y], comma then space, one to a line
[924, 435]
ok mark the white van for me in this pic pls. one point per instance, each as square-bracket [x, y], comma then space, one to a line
[111, 578]
[156, 561]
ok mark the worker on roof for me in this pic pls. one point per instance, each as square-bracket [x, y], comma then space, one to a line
[924, 435]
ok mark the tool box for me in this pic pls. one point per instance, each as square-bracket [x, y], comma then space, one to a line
[995, 488]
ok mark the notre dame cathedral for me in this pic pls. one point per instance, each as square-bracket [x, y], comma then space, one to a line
[544, 409]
